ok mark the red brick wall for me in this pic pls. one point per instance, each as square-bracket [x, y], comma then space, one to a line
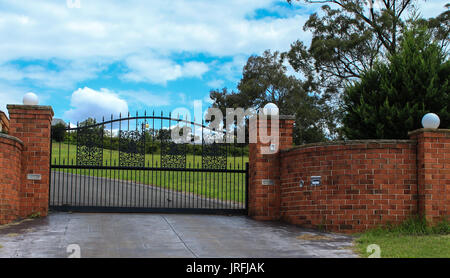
[433, 159]
[364, 183]
[32, 124]
[10, 179]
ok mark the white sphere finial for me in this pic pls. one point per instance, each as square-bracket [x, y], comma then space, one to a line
[30, 99]
[271, 109]
[431, 120]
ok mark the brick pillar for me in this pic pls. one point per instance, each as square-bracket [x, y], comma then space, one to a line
[433, 168]
[264, 171]
[32, 124]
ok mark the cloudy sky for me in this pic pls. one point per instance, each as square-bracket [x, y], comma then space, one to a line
[109, 56]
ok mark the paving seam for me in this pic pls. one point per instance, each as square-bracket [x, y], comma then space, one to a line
[184, 243]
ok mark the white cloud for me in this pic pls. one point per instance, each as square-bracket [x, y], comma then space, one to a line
[232, 71]
[431, 8]
[116, 31]
[215, 83]
[149, 68]
[142, 98]
[86, 102]
[65, 77]
[105, 32]
[208, 100]
[10, 95]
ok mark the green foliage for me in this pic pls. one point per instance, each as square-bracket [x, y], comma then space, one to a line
[348, 38]
[413, 226]
[58, 132]
[414, 238]
[440, 28]
[392, 98]
[35, 215]
[265, 79]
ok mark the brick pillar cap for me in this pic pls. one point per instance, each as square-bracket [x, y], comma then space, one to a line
[30, 107]
[422, 130]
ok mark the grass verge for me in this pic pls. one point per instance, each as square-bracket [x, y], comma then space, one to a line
[414, 238]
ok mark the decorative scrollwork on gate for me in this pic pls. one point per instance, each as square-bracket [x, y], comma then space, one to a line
[214, 156]
[90, 146]
[173, 155]
[131, 148]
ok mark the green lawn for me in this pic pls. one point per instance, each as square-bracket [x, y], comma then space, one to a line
[413, 239]
[223, 186]
[65, 154]
[392, 246]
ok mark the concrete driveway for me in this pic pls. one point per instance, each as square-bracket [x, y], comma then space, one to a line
[81, 190]
[166, 236]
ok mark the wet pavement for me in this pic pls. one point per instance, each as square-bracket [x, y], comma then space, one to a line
[124, 235]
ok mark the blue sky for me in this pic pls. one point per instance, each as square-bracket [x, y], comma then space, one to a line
[108, 57]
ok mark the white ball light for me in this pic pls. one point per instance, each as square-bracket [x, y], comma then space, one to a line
[431, 120]
[271, 109]
[30, 99]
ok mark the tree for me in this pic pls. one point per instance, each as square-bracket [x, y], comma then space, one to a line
[391, 98]
[265, 80]
[349, 38]
[440, 28]
[58, 132]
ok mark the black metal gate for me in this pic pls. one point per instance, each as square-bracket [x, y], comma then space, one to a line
[104, 167]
